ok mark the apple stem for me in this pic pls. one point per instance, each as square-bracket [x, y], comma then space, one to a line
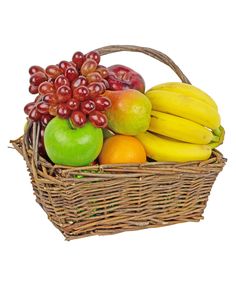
[71, 125]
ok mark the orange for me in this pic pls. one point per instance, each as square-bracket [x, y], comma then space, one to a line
[122, 149]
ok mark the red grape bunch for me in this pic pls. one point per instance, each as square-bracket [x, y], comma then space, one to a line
[71, 90]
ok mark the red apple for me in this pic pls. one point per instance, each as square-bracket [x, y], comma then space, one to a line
[122, 77]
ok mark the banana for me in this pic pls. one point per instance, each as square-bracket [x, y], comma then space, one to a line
[187, 90]
[180, 129]
[165, 149]
[184, 106]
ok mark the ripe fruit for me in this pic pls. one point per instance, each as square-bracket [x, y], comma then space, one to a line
[78, 118]
[87, 106]
[35, 69]
[63, 65]
[165, 149]
[42, 107]
[187, 90]
[96, 88]
[37, 78]
[64, 93]
[130, 112]
[46, 88]
[93, 55]
[180, 129]
[28, 107]
[187, 107]
[122, 149]
[73, 104]
[72, 146]
[98, 119]
[53, 71]
[102, 103]
[117, 84]
[128, 77]
[71, 73]
[88, 66]
[78, 59]
[80, 81]
[35, 115]
[94, 77]
[33, 89]
[63, 111]
[81, 93]
[60, 81]
[74, 86]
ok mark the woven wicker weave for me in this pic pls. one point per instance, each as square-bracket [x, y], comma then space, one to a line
[107, 199]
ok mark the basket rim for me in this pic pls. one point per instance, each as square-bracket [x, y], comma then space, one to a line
[216, 158]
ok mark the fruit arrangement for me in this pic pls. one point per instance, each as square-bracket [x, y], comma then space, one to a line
[89, 113]
[107, 156]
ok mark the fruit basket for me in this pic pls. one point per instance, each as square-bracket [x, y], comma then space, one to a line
[111, 198]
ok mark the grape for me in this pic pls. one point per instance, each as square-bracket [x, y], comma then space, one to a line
[78, 118]
[96, 88]
[63, 111]
[102, 71]
[98, 119]
[46, 88]
[93, 55]
[50, 99]
[61, 80]
[35, 69]
[71, 73]
[53, 110]
[88, 66]
[81, 80]
[28, 107]
[102, 103]
[37, 98]
[106, 84]
[87, 106]
[34, 115]
[53, 71]
[94, 77]
[45, 119]
[81, 93]
[37, 78]
[71, 89]
[64, 65]
[33, 89]
[73, 104]
[63, 93]
[78, 59]
[42, 107]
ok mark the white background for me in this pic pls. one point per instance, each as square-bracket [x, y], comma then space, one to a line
[199, 37]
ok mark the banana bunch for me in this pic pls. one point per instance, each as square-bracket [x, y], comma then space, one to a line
[185, 124]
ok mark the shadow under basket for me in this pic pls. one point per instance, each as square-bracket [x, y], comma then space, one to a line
[108, 199]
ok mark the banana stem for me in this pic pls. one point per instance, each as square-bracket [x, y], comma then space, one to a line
[221, 138]
[215, 138]
[217, 131]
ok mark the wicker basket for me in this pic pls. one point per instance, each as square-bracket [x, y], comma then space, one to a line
[108, 199]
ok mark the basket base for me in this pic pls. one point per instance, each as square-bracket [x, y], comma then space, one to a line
[110, 199]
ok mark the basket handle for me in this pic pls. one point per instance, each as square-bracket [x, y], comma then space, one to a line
[148, 51]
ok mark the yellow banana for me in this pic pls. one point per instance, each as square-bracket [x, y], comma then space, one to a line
[184, 106]
[180, 129]
[187, 90]
[165, 149]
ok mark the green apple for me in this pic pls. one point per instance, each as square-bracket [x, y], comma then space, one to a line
[66, 145]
